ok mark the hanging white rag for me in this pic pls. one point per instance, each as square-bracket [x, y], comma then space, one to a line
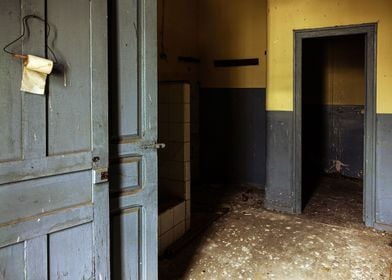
[35, 71]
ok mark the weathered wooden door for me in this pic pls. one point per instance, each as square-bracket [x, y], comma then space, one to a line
[53, 213]
[133, 132]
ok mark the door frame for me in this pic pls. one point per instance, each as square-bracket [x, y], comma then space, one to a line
[370, 32]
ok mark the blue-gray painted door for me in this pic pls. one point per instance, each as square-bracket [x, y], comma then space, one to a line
[54, 220]
[133, 132]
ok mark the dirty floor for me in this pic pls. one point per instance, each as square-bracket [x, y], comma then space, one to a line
[337, 200]
[245, 241]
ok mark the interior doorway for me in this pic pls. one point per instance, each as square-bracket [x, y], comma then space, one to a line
[334, 123]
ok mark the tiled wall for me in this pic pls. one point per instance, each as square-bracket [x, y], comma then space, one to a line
[174, 166]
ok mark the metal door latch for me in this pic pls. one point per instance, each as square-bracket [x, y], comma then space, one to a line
[153, 146]
[100, 176]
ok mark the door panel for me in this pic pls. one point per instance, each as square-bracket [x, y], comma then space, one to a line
[133, 132]
[12, 262]
[65, 257]
[125, 71]
[70, 116]
[126, 244]
[36, 258]
[126, 174]
[11, 103]
[37, 226]
[44, 195]
[54, 218]
[34, 108]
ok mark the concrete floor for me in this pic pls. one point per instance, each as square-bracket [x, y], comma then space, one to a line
[249, 242]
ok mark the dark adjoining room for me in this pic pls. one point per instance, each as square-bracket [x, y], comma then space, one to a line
[333, 109]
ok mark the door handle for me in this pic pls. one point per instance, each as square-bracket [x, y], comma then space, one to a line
[153, 146]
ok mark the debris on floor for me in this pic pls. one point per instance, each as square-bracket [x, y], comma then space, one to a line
[250, 242]
[337, 200]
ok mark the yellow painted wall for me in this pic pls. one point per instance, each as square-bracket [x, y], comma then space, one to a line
[209, 30]
[345, 72]
[233, 29]
[284, 16]
[180, 38]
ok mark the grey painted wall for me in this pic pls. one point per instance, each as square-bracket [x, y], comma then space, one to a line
[232, 135]
[279, 166]
[384, 171]
[279, 170]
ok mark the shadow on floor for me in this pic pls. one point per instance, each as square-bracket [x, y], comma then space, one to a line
[237, 238]
[209, 204]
